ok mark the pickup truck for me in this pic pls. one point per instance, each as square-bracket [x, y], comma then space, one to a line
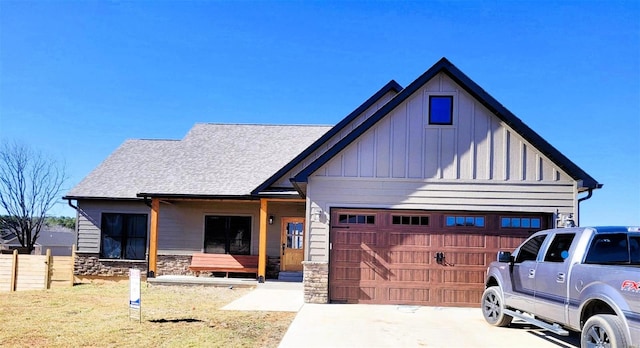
[583, 279]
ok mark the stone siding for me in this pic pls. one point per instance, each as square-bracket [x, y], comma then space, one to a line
[316, 282]
[91, 265]
[174, 265]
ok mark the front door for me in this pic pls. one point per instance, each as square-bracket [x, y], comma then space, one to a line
[292, 250]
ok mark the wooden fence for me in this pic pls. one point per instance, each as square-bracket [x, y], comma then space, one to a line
[31, 272]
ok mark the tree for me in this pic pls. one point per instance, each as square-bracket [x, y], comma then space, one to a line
[30, 184]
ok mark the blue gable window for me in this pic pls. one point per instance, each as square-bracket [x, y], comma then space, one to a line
[441, 109]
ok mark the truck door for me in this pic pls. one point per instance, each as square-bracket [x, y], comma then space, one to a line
[524, 275]
[552, 278]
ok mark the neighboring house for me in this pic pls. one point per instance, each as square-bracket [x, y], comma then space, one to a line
[404, 201]
[58, 239]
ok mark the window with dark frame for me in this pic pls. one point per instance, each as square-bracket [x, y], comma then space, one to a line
[410, 220]
[357, 219]
[461, 220]
[227, 235]
[520, 222]
[441, 109]
[123, 236]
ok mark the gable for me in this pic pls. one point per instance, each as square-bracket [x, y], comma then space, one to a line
[281, 179]
[446, 138]
[476, 146]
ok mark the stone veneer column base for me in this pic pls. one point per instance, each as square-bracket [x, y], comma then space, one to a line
[316, 282]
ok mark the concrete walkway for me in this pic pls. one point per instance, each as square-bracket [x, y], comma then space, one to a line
[270, 296]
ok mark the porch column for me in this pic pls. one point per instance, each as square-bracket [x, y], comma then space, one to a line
[262, 242]
[153, 238]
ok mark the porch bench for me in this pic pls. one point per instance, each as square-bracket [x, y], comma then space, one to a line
[224, 263]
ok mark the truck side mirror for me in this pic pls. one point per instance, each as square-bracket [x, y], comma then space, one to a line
[504, 256]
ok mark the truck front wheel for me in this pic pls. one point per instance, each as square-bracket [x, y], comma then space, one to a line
[603, 330]
[493, 307]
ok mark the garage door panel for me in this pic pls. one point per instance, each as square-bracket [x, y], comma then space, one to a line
[464, 240]
[349, 255]
[409, 239]
[467, 258]
[409, 295]
[410, 257]
[463, 277]
[410, 275]
[460, 298]
[354, 294]
[351, 237]
[510, 242]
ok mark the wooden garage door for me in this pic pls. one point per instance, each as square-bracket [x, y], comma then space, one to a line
[391, 257]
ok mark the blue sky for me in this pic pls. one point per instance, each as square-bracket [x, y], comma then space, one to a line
[78, 78]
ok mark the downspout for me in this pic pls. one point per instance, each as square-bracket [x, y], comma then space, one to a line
[580, 200]
[75, 207]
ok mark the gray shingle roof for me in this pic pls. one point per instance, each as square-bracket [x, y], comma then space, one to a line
[212, 159]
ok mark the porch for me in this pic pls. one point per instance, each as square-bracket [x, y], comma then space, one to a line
[272, 295]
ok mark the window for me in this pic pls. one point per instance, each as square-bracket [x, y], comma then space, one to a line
[520, 222]
[410, 220]
[559, 249]
[124, 236]
[441, 109]
[529, 250]
[357, 219]
[475, 221]
[227, 235]
[613, 248]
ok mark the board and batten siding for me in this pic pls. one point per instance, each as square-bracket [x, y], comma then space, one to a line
[284, 181]
[477, 164]
[478, 146]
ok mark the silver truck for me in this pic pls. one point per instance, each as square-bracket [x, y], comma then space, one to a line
[571, 279]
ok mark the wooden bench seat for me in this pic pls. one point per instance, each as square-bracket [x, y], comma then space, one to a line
[227, 263]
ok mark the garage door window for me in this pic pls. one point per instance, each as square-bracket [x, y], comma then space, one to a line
[519, 222]
[357, 219]
[410, 220]
[457, 221]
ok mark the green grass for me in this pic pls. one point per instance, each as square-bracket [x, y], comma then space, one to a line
[97, 315]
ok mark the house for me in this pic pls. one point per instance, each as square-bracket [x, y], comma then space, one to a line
[58, 239]
[404, 201]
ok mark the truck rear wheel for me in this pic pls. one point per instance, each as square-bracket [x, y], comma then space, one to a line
[493, 307]
[603, 330]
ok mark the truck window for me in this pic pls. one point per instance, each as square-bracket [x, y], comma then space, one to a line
[560, 244]
[608, 249]
[529, 250]
[634, 249]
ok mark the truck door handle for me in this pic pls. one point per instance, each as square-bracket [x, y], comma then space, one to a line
[532, 273]
[560, 277]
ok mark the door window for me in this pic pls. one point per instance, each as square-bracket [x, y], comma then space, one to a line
[529, 250]
[559, 249]
[295, 235]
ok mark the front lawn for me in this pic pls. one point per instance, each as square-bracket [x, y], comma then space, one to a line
[97, 315]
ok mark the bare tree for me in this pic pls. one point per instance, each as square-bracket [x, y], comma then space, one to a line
[30, 184]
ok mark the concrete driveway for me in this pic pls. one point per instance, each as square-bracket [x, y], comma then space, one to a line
[352, 325]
